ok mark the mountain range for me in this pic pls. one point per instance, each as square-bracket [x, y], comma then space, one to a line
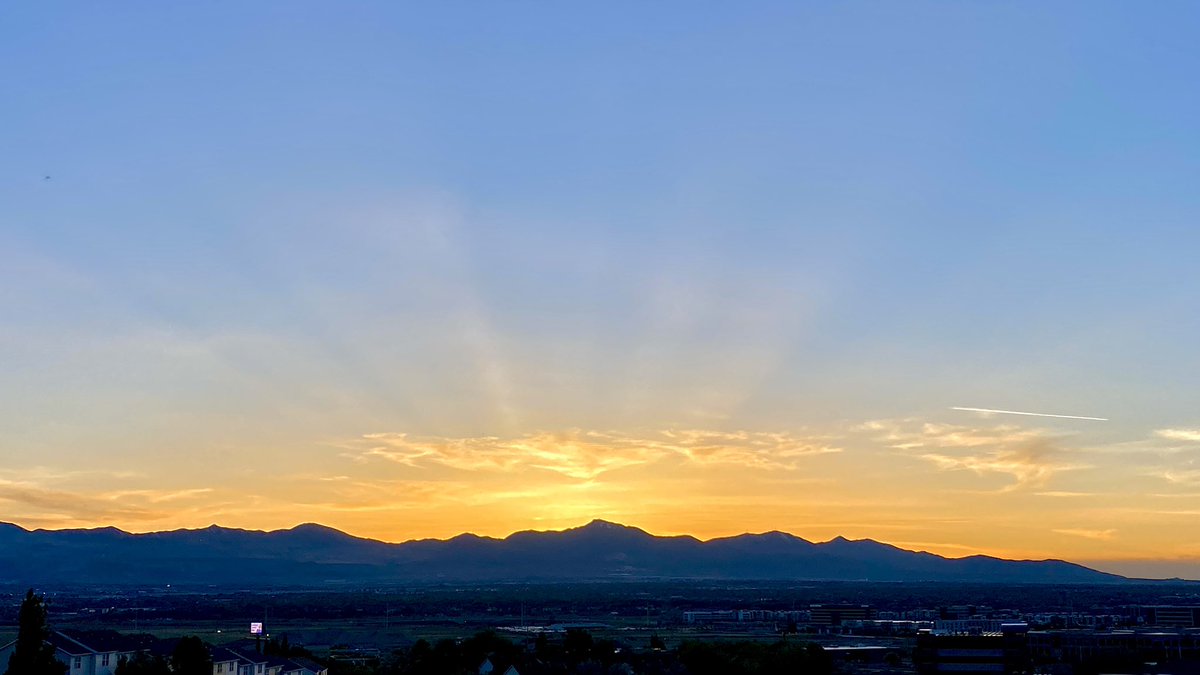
[310, 554]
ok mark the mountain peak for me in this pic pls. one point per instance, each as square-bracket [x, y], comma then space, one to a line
[601, 524]
[313, 554]
[843, 541]
[315, 528]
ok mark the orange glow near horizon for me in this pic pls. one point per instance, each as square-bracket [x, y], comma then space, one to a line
[950, 489]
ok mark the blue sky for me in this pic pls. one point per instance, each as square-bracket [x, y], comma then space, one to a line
[273, 229]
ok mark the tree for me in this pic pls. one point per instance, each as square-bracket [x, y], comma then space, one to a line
[33, 655]
[142, 664]
[278, 646]
[578, 644]
[488, 645]
[190, 657]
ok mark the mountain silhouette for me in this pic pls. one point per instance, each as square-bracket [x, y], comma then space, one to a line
[312, 554]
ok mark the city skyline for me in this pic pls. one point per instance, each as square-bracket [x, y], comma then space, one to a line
[411, 271]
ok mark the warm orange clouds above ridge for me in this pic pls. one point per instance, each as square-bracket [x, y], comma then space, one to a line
[950, 488]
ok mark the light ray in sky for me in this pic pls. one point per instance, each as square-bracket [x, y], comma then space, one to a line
[1030, 414]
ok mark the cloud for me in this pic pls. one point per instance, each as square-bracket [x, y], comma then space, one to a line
[382, 496]
[1181, 476]
[584, 455]
[762, 450]
[60, 505]
[27, 496]
[1103, 535]
[936, 545]
[43, 474]
[1027, 466]
[1030, 457]
[907, 434]
[1186, 435]
[157, 496]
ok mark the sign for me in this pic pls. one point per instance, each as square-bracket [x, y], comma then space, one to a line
[256, 628]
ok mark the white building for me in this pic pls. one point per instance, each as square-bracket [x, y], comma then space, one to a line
[99, 652]
[89, 652]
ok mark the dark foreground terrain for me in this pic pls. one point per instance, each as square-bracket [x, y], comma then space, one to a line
[647, 627]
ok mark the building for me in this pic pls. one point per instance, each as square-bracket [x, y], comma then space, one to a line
[835, 615]
[1177, 616]
[710, 616]
[308, 666]
[1005, 652]
[225, 661]
[99, 652]
[1114, 646]
[968, 626]
[90, 652]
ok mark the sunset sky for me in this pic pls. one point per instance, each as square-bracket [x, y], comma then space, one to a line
[413, 269]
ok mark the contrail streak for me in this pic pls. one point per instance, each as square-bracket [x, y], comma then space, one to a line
[1030, 414]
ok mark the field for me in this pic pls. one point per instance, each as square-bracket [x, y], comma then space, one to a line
[629, 613]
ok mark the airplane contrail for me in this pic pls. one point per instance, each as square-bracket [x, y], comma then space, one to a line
[1030, 414]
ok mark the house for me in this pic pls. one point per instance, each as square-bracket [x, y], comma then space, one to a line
[292, 668]
[97, 652]
[309, 667]
[90, 652]
[225, 661]
[250, 662]
[277, 665]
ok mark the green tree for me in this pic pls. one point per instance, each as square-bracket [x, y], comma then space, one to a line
[541, 646]
[278, 646]
[578, 644]
[32, 655]
[142, 664]
[190, 657]
[487, 645]
[420, 658]
[753, 658]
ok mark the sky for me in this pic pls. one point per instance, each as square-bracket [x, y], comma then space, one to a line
[415, 269]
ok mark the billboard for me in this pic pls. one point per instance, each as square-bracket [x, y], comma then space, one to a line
[256, 628]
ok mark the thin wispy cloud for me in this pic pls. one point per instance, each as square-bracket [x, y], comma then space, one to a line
[1185, 435]
[158, 496]
[907, 434]
[1103, 535]
[1190, 477]
[1029, 457]
[926, 545]
[584, 455]
[46, 474]
[68, 498]
[65, 507]
[1026, 466]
